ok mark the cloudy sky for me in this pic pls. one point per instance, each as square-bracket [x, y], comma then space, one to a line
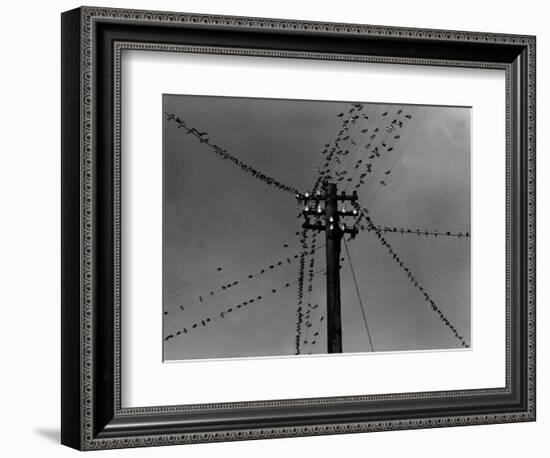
[222, 225]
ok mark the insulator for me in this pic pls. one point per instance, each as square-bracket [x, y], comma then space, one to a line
[307, 194]
[331, 227]
[331, 219]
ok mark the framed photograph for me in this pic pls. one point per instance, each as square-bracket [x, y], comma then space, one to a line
[275, 228]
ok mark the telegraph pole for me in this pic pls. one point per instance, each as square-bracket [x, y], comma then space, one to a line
[325, 204]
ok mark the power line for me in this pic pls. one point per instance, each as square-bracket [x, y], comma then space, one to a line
[206, 297]
[398, 124]
[203, 137]
[300, 281]
[356, 137]
[377, 143]
[358, 134]
[309, 285]
[316, 334]
[412, 278]
[224, 270]
[332, 148]
[418, 232]
[399, 156]
[208, 320]
[332, 140]
[359, 296]
[309, 315]
[340, 149]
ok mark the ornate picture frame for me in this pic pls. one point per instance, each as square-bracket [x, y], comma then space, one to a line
[93, 416]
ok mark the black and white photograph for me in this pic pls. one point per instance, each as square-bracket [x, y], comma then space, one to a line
[278, 221]
[307, 227]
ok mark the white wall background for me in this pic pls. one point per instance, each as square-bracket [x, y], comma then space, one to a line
[30, 229]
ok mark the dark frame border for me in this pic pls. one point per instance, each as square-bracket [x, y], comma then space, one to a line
[92, 40]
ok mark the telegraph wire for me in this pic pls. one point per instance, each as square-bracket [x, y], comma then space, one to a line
[317, 180]
[399, 156]
[316, 334]
[208, 320]
[215, 292]
[351, 151]
[412, 279]
[301, 267]
[203, 137]
[226, 269]
[359, 296]
[359, 134]
[418, 232]
[373, 143]
[384, 151]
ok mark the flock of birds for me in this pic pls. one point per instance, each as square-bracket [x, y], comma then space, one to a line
[361, 140]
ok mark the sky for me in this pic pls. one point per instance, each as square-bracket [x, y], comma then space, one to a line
[222, 225]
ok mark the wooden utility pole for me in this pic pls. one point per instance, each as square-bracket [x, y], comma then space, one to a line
[333, 237]
[334, 231]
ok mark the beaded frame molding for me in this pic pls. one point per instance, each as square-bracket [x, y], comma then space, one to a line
[92, 42]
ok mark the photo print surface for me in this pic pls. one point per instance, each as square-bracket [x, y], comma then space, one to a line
[298, 227]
